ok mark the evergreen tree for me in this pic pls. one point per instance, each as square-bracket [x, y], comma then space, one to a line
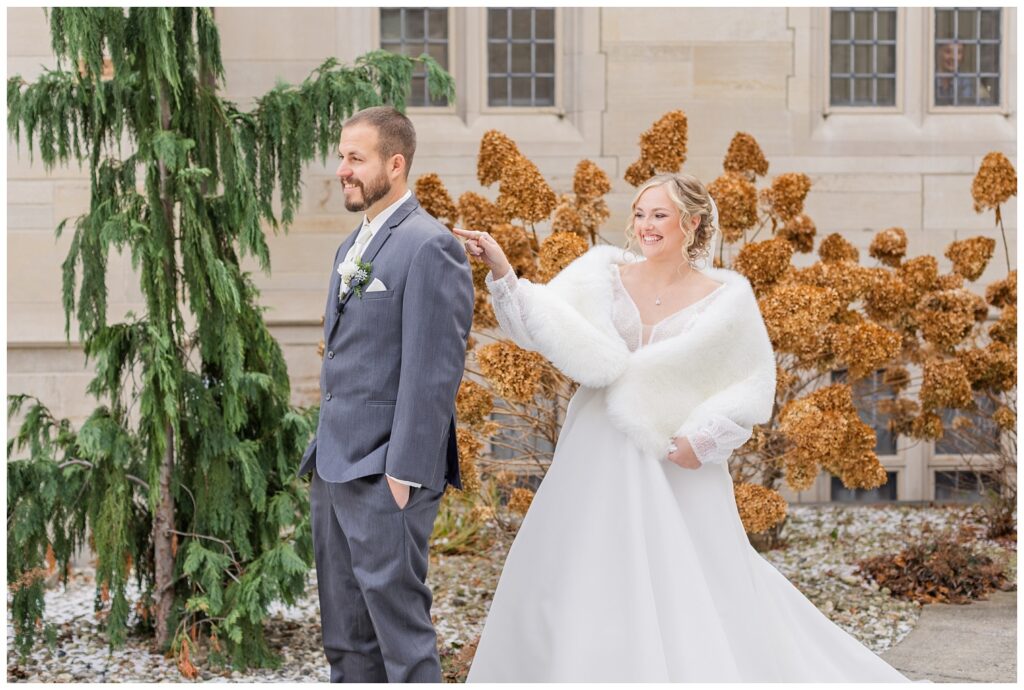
[184, 475]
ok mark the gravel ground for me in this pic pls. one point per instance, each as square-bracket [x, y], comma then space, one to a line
[822, 546]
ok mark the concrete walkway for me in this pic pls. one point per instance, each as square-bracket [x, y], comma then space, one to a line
[972, 643]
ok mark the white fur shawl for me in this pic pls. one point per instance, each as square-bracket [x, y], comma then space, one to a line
[723, 364]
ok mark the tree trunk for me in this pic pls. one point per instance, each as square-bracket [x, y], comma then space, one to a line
[163, 519]
[163, 556]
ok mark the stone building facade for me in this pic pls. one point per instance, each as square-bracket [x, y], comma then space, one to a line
[888, 120]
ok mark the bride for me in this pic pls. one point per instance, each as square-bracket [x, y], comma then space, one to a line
[632, 563]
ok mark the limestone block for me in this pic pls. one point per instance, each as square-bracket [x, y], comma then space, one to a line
[948, 204]
[694, 24]
[30, 216]
[28, 32]
[724, 71]
[277, 33]
[873, 211]
[29, 192]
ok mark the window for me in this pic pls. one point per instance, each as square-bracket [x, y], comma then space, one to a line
[862, 65]
[963, 486]
[886, 492]
[967, 46]
[969, 432]
[521, 56]
[867, 392]
[412, 32]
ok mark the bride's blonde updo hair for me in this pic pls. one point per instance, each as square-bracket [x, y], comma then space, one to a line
[691, 198]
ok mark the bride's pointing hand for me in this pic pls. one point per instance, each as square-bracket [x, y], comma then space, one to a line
[486, 248]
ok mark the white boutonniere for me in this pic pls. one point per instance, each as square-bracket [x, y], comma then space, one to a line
[354, 276]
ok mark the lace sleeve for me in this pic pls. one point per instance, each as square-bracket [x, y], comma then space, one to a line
[716, 439]
[509, 308]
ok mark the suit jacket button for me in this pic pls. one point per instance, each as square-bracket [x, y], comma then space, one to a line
[328, 396]
[330, 354]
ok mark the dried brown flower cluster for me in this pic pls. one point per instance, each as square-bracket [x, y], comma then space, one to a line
[887, 297]
[896, 377]
[736, 198]
[557, 251]
[1005, 329]
[483, 312]
[901, 412]
[504, 478]
[473, 403]
[469, 453]
[639, 171]
[995, 182]
[520, 500]
[763, 263]
[745, 156]
[837, 248]
[593, 213]
[971, 256]
[662, 148]
[518, 247]
[784, 380]
[785, 198]
[478, 213]
[760, 508]
[945, 317]
[799, 231]
[796, 317]
[889, 246]
[1005, 418]
[497, 152]
[589, 181]
[980, 308]
[1003, 292]
[567, 218]
[481, 513]
[864, 346]
[920, 274]
[589, 184]
[434, 198]
[949, 281]
[993, 367]
[524, 193]
[927, 427]
[849, 280]
[945, 384]
[514, 372]
[824, 426]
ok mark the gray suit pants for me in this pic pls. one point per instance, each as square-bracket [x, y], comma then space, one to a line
[371, 568]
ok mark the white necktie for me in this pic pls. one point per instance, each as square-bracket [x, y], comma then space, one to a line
[355, 252]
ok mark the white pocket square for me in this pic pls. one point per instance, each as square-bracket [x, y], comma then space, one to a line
[376, 286]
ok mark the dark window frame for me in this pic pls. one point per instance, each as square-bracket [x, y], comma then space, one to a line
[419, 96]
[851, 42]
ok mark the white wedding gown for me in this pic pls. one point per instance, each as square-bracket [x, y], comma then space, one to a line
[630, 568]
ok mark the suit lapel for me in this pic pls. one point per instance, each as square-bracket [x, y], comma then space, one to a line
[335, 285]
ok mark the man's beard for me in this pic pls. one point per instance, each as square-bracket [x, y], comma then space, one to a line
[372, 193]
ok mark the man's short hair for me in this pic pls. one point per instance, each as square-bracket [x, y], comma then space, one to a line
[395, 133]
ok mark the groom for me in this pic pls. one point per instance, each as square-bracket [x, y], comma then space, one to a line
[399, 308]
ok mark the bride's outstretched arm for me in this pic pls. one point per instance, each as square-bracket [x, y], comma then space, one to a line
[508, 302]
[510, 308]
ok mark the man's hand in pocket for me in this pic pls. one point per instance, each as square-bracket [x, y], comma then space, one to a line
[400, 492]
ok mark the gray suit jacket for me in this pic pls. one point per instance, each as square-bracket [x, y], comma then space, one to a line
[393, 360]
